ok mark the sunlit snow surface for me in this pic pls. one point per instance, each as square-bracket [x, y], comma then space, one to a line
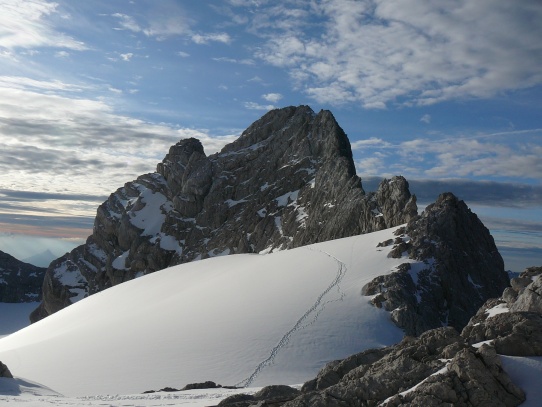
[237, 320]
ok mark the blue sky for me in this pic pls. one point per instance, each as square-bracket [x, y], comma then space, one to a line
[93, 93]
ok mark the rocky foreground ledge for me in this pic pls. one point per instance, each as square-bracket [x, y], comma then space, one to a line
[441, 367]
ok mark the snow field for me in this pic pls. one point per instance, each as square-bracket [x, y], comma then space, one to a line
[248, 320]
[243, 319]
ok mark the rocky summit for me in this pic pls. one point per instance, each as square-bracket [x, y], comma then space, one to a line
[19, 281]
[461, 268]
[287, 181]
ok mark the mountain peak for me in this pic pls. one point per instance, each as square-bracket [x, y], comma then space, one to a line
[270, 124]
[289, 180]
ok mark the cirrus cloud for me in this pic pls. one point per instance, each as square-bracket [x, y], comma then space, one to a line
[25, 24]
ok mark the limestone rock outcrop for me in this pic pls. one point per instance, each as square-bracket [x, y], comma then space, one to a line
[471, 378]
[287, 181]
[19, 281]
[461, 269]
[513, 322]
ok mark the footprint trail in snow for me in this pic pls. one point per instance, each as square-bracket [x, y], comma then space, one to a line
[313, 312]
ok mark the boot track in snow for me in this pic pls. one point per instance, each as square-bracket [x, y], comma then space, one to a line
[313, 312]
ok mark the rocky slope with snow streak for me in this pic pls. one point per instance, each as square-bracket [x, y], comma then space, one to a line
[289, 180]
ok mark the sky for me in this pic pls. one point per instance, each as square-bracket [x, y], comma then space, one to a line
[93, 93]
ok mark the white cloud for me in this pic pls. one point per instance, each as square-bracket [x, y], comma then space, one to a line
[126, 57]
[426, 118]
[25, 24]
[183, 54]
[167, 19]
[62, 54]
[20, 82]
[370, 166]
[257, 106]
[165, 28]
[246, 61]
[207, 38]
[372, 142]
[162, 20]
[127, 23]
[272, 97]
[408, 52]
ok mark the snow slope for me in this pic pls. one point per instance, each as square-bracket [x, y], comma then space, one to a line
[247, 320]
[526, 373]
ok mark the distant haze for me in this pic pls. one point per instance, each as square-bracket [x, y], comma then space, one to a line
[24, 247]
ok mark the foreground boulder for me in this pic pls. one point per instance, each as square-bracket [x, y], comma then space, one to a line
[471, 378]
[287, 181]
[19, 281]
[512, 322]
[461, 269]
[268, 396]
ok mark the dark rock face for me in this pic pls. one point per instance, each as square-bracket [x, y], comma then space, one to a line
[334, 371]
[462, 269]
[274, 395]
[203, 385]
[4, 371]
[19, 282]
[287, 181]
